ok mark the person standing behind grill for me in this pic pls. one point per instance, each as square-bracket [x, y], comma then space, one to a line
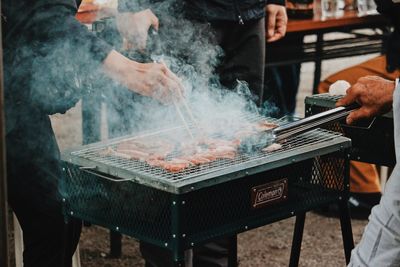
[47, 53]
[239, 27]
[364, 179]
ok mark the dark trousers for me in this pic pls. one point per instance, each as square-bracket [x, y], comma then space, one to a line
[33, 193]
[282, 82]
[49, 241]
[244, 55]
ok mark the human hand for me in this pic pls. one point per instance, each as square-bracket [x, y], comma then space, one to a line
[134, 27]
[277, 22]
[373, 93]
[155, 80]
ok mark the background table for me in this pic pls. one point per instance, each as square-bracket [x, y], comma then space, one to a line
[354, 42]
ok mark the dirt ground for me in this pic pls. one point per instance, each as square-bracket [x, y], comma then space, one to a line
[267, 246]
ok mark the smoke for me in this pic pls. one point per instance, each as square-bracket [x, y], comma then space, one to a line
[51, 61]
[61, 67]
[190, 49]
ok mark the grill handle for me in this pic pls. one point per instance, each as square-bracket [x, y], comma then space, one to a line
[90, 170]
[315, 121]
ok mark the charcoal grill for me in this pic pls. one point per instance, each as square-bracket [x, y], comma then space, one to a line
[178, 211]
[372, 140]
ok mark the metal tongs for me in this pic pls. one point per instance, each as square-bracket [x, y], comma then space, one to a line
[188, 110]
[312, 122]
[178, 102]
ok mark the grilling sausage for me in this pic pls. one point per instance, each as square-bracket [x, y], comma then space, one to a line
[197, 159]
[134, 154]
[111, 152]
[193, 153]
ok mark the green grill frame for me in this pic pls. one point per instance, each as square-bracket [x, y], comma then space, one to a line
[180, 219]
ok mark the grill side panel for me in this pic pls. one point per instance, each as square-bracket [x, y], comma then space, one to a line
[373, 145]
[227, 208]
[127, 207]
[177, 222]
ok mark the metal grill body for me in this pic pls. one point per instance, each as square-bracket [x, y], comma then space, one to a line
[372, 141]
[179, 211]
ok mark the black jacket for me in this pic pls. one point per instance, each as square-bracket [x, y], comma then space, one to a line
[213, 10]
[229, 10]
[392, 10]
[47, 53]
[45, 48]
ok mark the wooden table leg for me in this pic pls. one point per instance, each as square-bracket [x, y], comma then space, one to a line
[318, 62]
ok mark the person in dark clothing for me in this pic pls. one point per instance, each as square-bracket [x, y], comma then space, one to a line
[47, 53]
[238, 27]
[282, 82]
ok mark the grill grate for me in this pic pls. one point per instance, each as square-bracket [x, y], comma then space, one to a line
[297, 143]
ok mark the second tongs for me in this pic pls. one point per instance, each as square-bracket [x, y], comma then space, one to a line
[312, 122]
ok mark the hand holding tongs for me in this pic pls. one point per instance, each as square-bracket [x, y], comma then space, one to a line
[315, 121]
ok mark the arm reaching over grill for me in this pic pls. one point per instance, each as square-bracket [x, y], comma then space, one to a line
[53, 56]
[151, 79]
[373, 93]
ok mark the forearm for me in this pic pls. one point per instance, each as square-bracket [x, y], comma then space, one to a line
[121, 69]
[151, 79]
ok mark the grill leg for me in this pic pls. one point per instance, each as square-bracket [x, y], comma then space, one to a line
[347, 232]
[318, 62]
[232, 260]
[297, 238]
[115, 244]
[179, 264]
